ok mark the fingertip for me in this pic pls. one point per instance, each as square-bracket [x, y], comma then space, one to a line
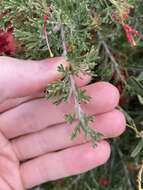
[53, 62]
[82, 79]
[112, 93]
[52, 65]
[105, 97]
[90, 159]
[111, 124]
[105, 152]
[120, 123]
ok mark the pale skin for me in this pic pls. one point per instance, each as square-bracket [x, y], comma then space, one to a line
[35, 144]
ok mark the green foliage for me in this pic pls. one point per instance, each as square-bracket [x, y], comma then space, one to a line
[96, 44]
[63, 90]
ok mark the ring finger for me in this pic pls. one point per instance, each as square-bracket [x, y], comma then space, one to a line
[58, 137]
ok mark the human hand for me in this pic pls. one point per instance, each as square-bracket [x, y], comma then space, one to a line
[35, 141]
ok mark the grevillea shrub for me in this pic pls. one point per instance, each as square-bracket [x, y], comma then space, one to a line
[102, 38]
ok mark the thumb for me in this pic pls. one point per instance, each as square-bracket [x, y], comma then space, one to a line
[20, 78]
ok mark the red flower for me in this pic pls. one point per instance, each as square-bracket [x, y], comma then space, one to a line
[7, 42]
[130, 33]
[104, 182]
[46, 18]
[45, 21]
[121, 16]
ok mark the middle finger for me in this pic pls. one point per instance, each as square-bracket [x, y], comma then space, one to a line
[38, 114]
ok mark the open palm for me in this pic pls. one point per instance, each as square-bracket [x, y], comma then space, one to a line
[35, 144]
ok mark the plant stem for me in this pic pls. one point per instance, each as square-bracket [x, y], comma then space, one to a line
[113, 60]
[139, 177]
[46, 36]
[78, 109]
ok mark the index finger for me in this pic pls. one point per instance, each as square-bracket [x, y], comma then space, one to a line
[20, 78]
